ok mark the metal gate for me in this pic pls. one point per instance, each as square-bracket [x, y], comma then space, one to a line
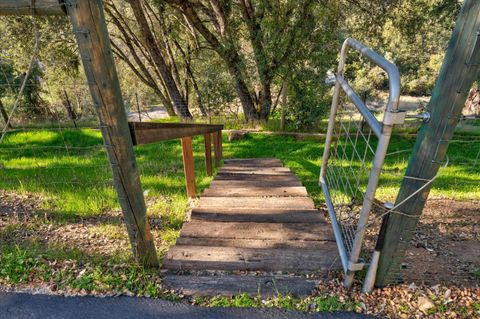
[355, 149]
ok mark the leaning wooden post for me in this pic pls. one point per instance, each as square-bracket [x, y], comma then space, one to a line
[208, 154]
[459, 70]
[89, 26]
[189, 166]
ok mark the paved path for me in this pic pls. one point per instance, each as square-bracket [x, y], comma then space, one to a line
[20, 306]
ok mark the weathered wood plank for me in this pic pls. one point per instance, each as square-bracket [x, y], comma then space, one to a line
[256, 177]
[217, 141]
[255, 170]
[257, 202]
[257, 243]
[252, 230]
[90, 29]
[252, 159]
[230, 259]
[459, 70]
[255, 191]
[150, 132]
[261, 162]
[266, 286]
[208, 154]
[258, 215]
[189, 166]
[254, 183]
[29, 7]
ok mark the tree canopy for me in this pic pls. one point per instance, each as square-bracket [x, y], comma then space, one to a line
[201, 58]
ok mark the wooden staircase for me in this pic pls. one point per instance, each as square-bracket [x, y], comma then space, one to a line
[258, 229]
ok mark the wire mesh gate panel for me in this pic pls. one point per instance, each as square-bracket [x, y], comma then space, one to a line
[355, 149]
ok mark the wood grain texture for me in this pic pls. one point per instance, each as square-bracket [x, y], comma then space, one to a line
[258, 162]
[208, 154]
[254, 183]
[90, 28]
[150, 132]
[456, 77]
[256, 177]
[253, 230]
[253, 169]
[258, 215]
[255, 191]
[257, 202]
[266, 286]
[319, 245]
[189, 166]
[217, 148]
[249, 259]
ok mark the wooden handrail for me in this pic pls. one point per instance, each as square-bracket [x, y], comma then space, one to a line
[151, 132]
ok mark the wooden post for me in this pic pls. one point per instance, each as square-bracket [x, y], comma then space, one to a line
[89, 26]
[208, 154]
[217, 147]
[220, 144]
[189, 166]
[459, 70]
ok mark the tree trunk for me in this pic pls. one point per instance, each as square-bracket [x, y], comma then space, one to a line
[265, 101]
[181, 107]
[243, 93]
[284, 105]
[4, 115]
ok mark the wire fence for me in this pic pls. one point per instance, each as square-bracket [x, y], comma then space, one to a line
[442, 249]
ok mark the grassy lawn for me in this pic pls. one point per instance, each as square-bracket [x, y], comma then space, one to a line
[72, 236]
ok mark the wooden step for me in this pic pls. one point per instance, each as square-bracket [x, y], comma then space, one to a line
[254, 169]
[251, 191]
[259, 162]
[257, 177]
[254, 183]
[256, 172]
[249, 259]
[252, 230]
[257, 202]
[258, 215]
[257, 243]
[231, 285]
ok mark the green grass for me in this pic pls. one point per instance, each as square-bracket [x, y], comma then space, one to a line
[317, 304]
[75, 184]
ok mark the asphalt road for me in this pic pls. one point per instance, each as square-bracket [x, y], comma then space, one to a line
[23, 306]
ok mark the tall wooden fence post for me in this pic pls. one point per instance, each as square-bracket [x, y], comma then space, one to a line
[459, 70]
[189, 166]
[89, 26]
[217, 146]
[208, 154]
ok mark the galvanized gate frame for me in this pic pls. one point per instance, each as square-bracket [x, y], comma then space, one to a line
[382, 130]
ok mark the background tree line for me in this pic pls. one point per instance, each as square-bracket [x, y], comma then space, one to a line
[204, 58]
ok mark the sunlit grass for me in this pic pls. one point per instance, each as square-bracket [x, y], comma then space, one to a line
[75, 183]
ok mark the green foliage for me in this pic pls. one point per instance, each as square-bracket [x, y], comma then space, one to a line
[18, 266]
[413, 34]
